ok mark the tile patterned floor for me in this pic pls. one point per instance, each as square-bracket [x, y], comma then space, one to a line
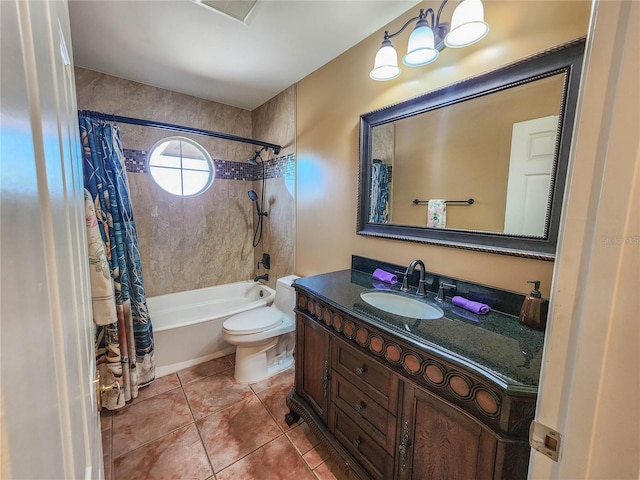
[201, 424]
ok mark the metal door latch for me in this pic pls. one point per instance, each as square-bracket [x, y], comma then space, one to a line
[545, 440]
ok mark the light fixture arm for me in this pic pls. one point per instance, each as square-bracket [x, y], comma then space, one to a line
[421, 16]
[438, 16]
[439, 30]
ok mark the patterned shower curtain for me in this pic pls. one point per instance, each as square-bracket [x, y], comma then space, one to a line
[124, 336]
[379, 198]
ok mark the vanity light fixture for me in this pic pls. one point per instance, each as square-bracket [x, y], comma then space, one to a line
[428, 39]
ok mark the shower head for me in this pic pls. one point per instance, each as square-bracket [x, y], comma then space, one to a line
[254, 159]
[254, 198]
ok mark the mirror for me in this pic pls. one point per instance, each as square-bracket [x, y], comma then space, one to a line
[480, 164]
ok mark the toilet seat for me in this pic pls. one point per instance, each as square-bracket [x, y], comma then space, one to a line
[254, 321]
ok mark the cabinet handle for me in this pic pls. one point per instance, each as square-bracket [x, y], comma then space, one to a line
[361, 370]
[324, 380]
[357, 442]
[359, 406]
[404, 446]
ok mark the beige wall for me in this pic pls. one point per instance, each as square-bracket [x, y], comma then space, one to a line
[329, 104]
[194, 242]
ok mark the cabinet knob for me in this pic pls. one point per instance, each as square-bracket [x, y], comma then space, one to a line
[359, 406]
[357, 442]
[361, 370]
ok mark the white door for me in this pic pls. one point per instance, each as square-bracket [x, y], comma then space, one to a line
[530, 166]
[50, 423]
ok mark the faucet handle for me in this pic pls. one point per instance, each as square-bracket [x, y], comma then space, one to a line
[405, 285]
[441, 296]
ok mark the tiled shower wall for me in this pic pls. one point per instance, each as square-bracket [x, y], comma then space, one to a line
[274, 122]
[195, 242]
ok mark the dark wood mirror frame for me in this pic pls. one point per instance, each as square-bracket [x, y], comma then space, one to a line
[567, 59]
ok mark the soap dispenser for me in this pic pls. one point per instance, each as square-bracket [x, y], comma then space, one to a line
[533, 313]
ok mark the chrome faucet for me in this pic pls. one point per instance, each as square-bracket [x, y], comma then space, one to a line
[421, 284]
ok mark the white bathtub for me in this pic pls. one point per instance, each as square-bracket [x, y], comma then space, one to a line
[187, 326]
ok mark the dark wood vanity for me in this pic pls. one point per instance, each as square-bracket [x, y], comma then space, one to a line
[389, 405]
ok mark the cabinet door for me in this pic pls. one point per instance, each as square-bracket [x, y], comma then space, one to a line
[312, 376]
[439, 441]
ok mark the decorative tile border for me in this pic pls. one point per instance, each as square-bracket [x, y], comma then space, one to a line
[136, 162]
[228, 170]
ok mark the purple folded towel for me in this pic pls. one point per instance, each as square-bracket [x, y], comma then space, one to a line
[385, 276]
[475, 307]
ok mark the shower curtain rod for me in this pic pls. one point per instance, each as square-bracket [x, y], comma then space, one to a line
[179, 128]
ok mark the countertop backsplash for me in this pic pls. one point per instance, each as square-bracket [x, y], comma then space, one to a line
[499, 300]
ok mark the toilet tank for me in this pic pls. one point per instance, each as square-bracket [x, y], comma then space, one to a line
[285, 295]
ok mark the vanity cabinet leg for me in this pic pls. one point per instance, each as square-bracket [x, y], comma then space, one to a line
[291, 417]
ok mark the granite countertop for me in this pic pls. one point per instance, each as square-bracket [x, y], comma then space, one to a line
[494, 346]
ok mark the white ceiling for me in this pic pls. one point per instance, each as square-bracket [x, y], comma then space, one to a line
[185, 47]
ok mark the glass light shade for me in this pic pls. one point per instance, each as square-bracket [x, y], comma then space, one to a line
[467, 24]
[420, 50]
[385, 66]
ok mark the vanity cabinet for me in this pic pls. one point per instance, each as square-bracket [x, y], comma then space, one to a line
[439, 441]
[313, 356]
[387, 409]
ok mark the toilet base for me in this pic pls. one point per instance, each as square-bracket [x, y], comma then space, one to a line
[257, 363]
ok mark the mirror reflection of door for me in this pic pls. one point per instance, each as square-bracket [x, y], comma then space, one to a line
[530, 168]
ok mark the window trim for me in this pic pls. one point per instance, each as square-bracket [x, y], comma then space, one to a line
[205, 153]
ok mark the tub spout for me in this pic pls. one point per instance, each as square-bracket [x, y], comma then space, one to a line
[262, 277]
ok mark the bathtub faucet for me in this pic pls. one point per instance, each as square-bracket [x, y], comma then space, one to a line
[262, 277]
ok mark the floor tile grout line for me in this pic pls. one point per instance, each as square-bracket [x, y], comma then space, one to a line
[262, 446]
[204, 447]
[221, 409]
[145, 444]
[274, 417]
[164, 434]
[301, 457]
[252, 451]
[183, 383]
[195, 423]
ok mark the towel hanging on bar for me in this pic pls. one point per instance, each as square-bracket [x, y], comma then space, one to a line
[437, 213]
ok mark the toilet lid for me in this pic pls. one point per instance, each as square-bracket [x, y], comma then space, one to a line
[254, 321]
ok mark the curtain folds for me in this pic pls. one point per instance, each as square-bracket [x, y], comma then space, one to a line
[124, 335]
[379, 198]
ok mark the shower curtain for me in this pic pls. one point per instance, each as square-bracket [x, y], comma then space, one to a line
[124, 336]
[379, 198]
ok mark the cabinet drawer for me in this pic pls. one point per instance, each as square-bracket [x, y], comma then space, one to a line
[365, 373]
[364, 411]
[365, 449]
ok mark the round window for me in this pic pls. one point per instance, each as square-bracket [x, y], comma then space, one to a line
[181, 166]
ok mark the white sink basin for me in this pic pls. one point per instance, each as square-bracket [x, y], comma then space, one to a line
[403, 305]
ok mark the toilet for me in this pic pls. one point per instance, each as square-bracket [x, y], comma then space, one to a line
[264, 337]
